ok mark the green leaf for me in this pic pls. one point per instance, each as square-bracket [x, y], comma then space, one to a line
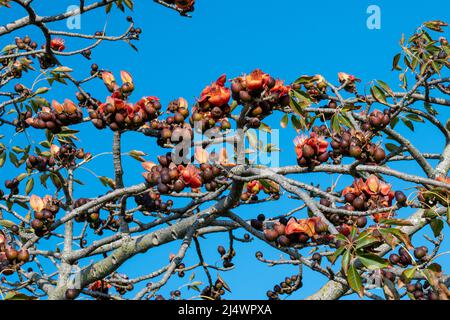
[42, 90]
[344, 120]
[408, 274]
[225, 285]
[299, 101]
[107, 182]
[435, 25]
[366, 239]
[129, 4]
[436, 225]
[392, 147]
[284, 121]
[431, 110]
[14, 160]
[372, 261]
[265, 127]
[29, 186]
[43, 178]
[386, 87]
[396, 222]
[378, 94]
[2, 159]
[393, 122]
[335, 123]
[8, 47]
[108, 7]
[395, 62]
[252, 138]
[336, 254]
[56, 181]
[136, 154]
[346, 261]
[298, 125]
[400, 235]
[354, 280]
[21, 176]
[408, 123]
[414, 117]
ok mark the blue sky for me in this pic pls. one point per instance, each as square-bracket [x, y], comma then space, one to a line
[179, 56]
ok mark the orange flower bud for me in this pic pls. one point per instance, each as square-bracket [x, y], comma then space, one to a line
[306, 226]
[57, 44]
[256, 80]
[216, 94]
[69, 107]
[126, 77]
[57, 106]
[36, 203]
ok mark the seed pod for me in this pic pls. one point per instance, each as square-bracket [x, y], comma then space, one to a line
[72, 293]
[361, 222]
[420, 252]
[245, 96]
[358, 203]
[258, 225]
[308, 151]
[316, 257]
[400, 197]
[283, 241]
[11, 253]
[379, 155]
[37, 224]
[270, 234]
[23, 255]
[178, 186]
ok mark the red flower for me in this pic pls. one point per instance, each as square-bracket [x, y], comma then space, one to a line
[306, 226]
[378, 194]
[280, 88]
[57, 44]
[99, 285]
[254, 187]
[256, 80]
[216, 94]
[191, 176]
[318, 143]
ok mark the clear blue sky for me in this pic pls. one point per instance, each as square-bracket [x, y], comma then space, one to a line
[179, 56]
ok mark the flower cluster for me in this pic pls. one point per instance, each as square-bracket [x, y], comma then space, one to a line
[169, 177]
[212, 108]
[174, 125]
[54, 119]
[356, 144]
[315, 87]
[254, 187]
[117, 112]
[371, 194]
[10, 258]
[348, 81]
[312, 150]
[45, 210]
[261, 93]
[151, 201]
[297, 232]
[93, 218]
[378, 120]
